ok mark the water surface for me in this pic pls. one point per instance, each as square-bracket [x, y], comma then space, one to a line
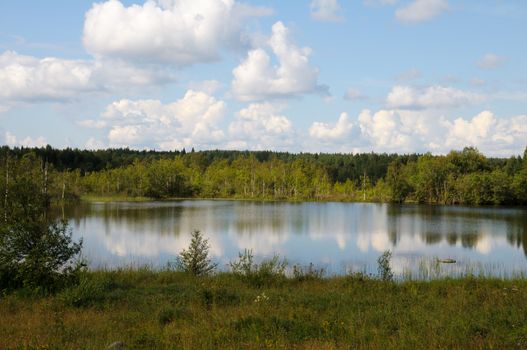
[336, 236]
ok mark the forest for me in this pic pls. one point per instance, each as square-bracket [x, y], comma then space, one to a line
[460, 177]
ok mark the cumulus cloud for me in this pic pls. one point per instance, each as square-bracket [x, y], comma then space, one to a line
[380, 131]
[13, 141]
[256, 78]
[407, 97]
[191, 121]
[27, 78]
[174, 32]
[132, 46]
[421, 10]
[326, 10]
[31, 79]
[385, 130]
[338, 131]
[261, 126]
[490, 61]
[493, 135]
[422, 131]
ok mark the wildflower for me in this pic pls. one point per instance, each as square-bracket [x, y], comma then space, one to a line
[261, 298]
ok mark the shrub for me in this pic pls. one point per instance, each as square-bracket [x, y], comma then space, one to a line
[195, 260]
[383, 266]
[267, 272]
[38, 255]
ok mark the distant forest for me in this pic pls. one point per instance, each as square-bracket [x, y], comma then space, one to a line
[460, 177]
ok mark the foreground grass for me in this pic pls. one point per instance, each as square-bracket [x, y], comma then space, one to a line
[171, 310]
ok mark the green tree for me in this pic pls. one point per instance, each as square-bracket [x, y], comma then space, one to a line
[35, 252]
[195, 259]
[397, 182]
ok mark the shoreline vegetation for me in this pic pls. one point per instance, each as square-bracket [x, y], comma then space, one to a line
[143, 309]
[189, 305]
[464, 177]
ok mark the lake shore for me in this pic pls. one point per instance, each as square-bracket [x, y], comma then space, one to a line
[119, 198]
[167, 309]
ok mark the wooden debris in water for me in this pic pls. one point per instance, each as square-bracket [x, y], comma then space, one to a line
[447, 261]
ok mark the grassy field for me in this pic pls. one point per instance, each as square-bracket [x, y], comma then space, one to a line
[170, 310]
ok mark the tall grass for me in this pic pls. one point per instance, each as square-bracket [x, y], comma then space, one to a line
[269, 304]
[166, 309]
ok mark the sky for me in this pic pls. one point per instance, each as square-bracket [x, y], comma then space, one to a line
[398, 76]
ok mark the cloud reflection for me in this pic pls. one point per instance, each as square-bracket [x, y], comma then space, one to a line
[322, 233]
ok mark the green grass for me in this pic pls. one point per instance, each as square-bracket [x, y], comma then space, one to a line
[114, 198]
[147, 309]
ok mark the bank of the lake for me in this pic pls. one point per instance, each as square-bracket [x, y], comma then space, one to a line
[170, 310]
[123, 198]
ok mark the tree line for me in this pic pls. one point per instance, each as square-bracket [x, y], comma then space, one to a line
[460, 177]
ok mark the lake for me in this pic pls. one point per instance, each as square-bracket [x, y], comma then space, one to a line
[339, 237]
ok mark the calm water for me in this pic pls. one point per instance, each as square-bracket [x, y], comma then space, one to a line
[336, 236]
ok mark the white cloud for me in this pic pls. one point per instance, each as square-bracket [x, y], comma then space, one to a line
[26, 78]
[353, 94]
[256, 78]
[324, 131]
[174, 32]
[490, 61]
[117, 74]
[407, 97]
[380, 2]
[421, 10]
[207, 86]
[492, 135]
[10, 139]
[94, 144]
[92, 124]
[326, 10]
[470, 132]
[261, 126]
[31, 79]
[385, 130]
[13, 141]
[189, 122]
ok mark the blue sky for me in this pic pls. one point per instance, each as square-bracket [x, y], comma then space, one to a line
[316, 75]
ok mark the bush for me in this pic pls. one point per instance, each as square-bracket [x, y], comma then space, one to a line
[195, 260]
[38, 255]
[308, 273]
[383, 266]
[267, 272]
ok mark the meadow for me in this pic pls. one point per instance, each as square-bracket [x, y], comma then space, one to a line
[146, 309]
